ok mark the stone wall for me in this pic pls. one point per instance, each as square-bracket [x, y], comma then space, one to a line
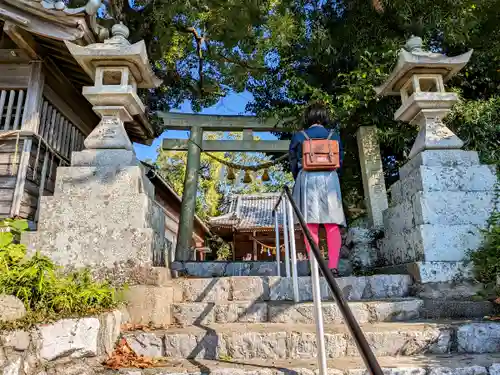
[66, 347]
[245, 268]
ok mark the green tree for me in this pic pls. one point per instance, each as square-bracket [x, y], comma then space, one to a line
[201, 49]
[213, 185]
[342, 49]
[288, 52]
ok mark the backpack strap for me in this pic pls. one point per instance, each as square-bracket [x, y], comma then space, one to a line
[310, 141]
[330, 151]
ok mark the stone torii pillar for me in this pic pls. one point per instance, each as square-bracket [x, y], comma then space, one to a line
[444, 195]
[196, 145]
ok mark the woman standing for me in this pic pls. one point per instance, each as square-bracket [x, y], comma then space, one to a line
[317, 193]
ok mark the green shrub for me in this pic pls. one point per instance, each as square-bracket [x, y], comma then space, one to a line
[47, 293]
[220, 248]
[477, 122]
[486, 259]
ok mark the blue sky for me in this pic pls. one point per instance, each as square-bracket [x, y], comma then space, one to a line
[233, 104]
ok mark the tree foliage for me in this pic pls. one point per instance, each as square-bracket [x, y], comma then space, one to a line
[345, 48]
[289, 52]
[201, 49]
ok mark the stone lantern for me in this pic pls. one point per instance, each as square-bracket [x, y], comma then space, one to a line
[103, 214]
[118, 69]
[444, 195]
[419, 78]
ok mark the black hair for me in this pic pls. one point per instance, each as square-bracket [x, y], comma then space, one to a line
[316, 113]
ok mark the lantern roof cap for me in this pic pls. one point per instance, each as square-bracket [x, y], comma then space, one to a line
[413, 59]
[117, 52]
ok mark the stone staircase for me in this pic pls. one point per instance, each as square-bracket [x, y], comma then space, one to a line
[250, 325]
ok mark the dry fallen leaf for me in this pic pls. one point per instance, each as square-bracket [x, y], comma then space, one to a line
[128, 327]
[125, 357]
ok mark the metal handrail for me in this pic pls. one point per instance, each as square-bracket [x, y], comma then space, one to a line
[362, 344]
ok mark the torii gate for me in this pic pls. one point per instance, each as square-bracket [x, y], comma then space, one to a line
[196, 124]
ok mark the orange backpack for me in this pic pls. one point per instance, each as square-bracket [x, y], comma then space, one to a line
[320, 154]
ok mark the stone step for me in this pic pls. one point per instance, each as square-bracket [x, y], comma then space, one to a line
[420, 365]
[463, 290]
[274, 288]
[443, 309]
[423, 272]
[192, 313]
[273, 341]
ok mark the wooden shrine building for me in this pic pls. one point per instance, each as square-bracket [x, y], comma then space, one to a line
[43, 115]
[248, 225]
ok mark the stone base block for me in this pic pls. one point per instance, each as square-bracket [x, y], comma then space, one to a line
[429, 243]
[442, 201]
[90, 182]
[440, 208]
[440, 158]
[69, 212]
[431, 272]
[126, 249]
[150, 304]
[117, 158]
[474, 178]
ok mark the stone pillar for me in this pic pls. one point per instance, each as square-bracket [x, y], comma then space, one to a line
[372, 174]
[444, 196]
[438, 207]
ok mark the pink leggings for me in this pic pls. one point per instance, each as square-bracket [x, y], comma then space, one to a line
[333, 240]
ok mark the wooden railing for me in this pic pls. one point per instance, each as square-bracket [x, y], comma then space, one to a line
[59, 132]
[11, 109]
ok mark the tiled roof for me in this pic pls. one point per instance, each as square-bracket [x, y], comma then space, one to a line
[249, 212]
